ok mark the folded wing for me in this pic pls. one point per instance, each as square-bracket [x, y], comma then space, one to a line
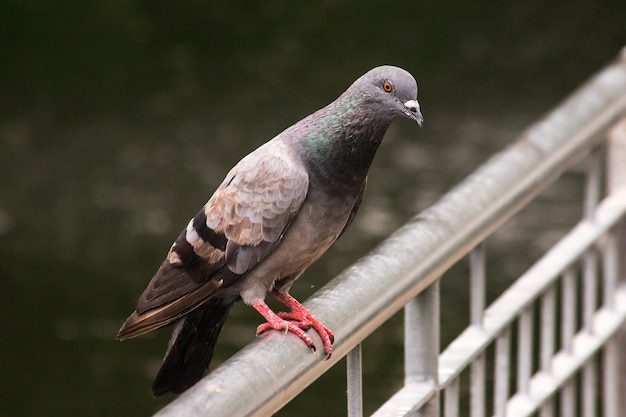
[238, 227]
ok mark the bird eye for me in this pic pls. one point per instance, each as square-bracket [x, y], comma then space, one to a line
[387, 87]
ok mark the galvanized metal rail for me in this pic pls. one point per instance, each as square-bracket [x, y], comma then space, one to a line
[403, 272]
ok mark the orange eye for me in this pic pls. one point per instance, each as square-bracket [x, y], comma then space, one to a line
[387, 86]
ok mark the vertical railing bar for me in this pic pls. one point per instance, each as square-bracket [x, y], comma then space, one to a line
[421, 335]
[477, 285]
[593, 178]
[524, 350]
[547, 410]
[547, 329]
[569, 398]
[568, 308]
[610, 356]
[501, 386]
[412, 369]
[610, 269]
[477, 308]
[421, 343]
[610, 378]
[451, 399]
[589, 383]
[477, 386]
[616, 180]
[355, 382]
[591, 198]
[590, 288]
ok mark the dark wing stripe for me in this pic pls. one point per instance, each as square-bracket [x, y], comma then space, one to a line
[217, 240]
[185, 251]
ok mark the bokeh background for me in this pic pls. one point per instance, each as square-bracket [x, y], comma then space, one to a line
[118, 119]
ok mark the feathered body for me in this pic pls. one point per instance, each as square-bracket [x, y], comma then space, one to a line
[276, 212]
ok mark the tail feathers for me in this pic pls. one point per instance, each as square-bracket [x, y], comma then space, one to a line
[191, 347]
[135, 325]
[144, 320]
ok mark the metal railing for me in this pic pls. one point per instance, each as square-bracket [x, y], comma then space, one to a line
[404, 272]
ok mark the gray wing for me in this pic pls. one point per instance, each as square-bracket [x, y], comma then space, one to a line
[238, 227]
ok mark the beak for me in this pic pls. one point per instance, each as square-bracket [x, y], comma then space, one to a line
[414, 111]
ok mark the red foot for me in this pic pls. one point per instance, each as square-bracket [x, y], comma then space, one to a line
[295, 321]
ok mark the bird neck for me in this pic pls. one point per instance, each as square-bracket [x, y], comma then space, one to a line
[340, 145]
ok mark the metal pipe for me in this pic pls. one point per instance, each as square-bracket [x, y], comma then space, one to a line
[451, 399]
[501, 384]
[610, 268]
[610, 378]
[611, 350]
[478, 380]
[547, 410]
[589, 384]
[569, 398]
[593, 168]
[421, 342]
[568, 308]
[355, 386]
[524, 349]
[589, 287]
[409, 401]
[421, 337]
[548, 303]
[477, 307]
[616, 180]
[367, 294]
[477, 285]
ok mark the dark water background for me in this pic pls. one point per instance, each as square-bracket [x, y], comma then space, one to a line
[118, 119]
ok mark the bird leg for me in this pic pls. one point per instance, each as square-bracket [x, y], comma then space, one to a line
[296, 321]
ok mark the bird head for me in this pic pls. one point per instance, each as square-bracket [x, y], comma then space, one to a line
[390, 89]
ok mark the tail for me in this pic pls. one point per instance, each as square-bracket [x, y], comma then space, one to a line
[191, 347]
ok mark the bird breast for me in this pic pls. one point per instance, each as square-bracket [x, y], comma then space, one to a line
[318, 224]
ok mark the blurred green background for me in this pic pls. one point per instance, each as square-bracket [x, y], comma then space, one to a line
[118, 119]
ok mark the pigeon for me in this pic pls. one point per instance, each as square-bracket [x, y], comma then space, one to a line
[276, 212]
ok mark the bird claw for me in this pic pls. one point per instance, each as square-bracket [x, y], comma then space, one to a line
[295, 321]
[298, 327]
[307, 322]
[286, 327]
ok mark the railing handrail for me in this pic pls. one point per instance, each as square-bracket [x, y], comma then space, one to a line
[270, 371]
